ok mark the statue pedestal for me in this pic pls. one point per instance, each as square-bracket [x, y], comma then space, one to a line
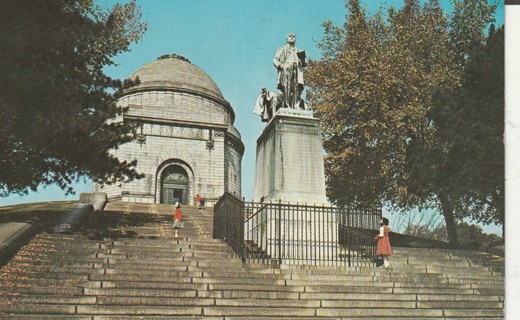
[296, 234]
[289, 160]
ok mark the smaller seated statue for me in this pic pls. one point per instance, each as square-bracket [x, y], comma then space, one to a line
[267, 104]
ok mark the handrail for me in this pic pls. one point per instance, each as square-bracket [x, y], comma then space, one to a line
[278, 232]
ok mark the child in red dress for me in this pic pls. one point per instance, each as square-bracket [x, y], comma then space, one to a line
[383, 243]
[198, 199]
[177, 216]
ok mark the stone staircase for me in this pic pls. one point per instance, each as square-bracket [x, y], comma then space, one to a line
[135, 266]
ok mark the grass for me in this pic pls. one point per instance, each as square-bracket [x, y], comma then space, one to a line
[46, 212]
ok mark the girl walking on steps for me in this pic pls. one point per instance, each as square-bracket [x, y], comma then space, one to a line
[383, 243]
[177, 216]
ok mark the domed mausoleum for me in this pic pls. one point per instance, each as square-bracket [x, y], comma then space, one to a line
[186, 142]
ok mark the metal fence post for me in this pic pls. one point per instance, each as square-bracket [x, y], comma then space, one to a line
[348, 235]
[279, 224]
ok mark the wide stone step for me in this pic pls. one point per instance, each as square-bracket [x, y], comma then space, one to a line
[53, 264]
[99, 310]
[34, 308]
[168, 247]
[42, 317]
[454, 269]
[152, 285]
[154, 301]
[449, 263]
[353, 279]
[130, 317]
[369, 283]
[253, 287]
[43, 299]
[477, 280]
[214, 267]
[428, 260]
[444, 291]
[255, 281]
[169, 271]
[137, 277]
[166, 243]
[138, 252]
[398, 297]
[374, 283]
[45, 275]
[211, 264]
[389, 289]
[16, 281]
[166, 271]
[54, 256]
[39, 290]
[285, 312]
[249, 294]
[456, 297]
[411, 313]
[53, 245]
[461, 304]
[473, 313]
[139, 292]
[46, 257]
[144, 256]
[53, 269]
[140, 310]
[193, 263]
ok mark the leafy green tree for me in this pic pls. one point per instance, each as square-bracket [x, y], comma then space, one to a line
[376, 89]
[470, 123]
[55, 100]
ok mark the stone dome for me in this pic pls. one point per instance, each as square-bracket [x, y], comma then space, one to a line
[173, 72]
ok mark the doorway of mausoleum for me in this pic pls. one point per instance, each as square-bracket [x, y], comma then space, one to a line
[174, 185]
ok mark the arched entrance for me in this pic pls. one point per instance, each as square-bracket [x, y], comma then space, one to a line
[174, 185]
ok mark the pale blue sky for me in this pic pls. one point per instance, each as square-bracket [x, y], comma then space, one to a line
[234, 42]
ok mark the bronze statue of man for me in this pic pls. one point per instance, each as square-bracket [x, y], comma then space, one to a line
[289, 62]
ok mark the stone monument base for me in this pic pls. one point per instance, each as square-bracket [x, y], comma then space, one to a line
[289, 160]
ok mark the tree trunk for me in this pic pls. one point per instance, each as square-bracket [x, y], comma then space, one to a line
[451, 224]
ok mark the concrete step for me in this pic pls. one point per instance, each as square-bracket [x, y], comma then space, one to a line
[45, 257]
[21, 281]
[45, 275]
[151, 285]
[160, 246]
[444, 291]
[411, 313]
[42, 299]
[13, 289]
[130, 317]
[42, 317]
[139, 292]
[212, 264]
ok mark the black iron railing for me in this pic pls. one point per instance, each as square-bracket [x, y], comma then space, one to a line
[228, 222]
[356, 234]
[284, 233]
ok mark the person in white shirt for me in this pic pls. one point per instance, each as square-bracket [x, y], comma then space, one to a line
[384, 249]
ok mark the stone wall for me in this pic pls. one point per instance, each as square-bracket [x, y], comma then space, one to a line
[232, 169]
